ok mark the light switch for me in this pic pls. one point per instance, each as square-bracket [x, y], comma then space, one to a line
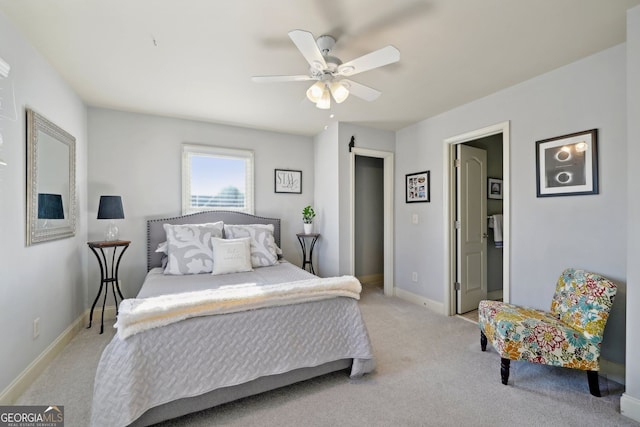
[414, 218]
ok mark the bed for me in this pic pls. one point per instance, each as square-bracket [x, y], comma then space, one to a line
[193, 363]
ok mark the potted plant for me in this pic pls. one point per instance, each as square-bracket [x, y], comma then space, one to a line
[307, 218]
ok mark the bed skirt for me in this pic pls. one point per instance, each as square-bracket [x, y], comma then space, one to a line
[224, 395]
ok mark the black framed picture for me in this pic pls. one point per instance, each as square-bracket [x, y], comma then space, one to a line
[288, 181]
[567, 165]
[494, 188]
[417, 187]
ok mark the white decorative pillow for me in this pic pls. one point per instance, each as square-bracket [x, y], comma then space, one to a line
[263, 244]
[231, 255]
[189, 247]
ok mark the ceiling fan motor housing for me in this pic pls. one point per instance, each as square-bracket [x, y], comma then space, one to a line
[325, 44]
[319, 71]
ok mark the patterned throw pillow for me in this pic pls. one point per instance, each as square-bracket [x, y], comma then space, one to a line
[189, 247]
[231, 255]
[263, 244]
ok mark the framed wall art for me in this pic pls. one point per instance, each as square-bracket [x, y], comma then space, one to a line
[288, 181]
[417, 187]
[494, 188]
[567, 165]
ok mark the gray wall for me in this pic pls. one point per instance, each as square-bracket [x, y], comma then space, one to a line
[369, 216]
[46, 280]
[138, 157]
[633, 213]
[326, 201]
[547, 234]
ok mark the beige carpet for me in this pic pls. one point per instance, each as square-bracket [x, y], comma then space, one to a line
[430, 372]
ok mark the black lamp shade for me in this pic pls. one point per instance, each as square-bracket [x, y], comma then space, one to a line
[110, 207]
[50, 206]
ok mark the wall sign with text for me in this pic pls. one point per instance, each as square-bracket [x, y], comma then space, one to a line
[288, 181]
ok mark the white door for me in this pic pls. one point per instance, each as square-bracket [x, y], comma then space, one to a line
[471, 227]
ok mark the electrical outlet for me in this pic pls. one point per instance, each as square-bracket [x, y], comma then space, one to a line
[414, 276]
[36, 327]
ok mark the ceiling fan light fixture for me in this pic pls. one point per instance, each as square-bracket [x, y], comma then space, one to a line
[325, 102]
[315, 92]
[339, 91]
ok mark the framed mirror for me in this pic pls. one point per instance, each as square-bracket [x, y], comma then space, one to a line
[51, 181]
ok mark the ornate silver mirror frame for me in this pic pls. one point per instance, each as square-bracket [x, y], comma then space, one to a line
[51, 181]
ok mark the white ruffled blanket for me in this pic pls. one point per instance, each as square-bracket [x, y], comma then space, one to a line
[139, 314]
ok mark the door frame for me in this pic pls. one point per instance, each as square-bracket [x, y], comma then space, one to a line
[450, 210]
[387, 157]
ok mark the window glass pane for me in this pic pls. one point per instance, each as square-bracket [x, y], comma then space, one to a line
[217, 182]
[215, 178]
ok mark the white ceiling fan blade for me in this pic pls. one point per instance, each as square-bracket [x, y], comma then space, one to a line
[278, 79]
[378, 58]
[361, 91]
[307, 45]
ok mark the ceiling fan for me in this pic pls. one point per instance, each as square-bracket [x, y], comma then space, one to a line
[330, 72]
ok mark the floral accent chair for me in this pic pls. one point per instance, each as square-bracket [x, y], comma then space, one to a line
[568, 336]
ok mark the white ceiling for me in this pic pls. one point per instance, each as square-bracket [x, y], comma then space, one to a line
[194, 58]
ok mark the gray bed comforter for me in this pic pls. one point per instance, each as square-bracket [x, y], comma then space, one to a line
[197, 355]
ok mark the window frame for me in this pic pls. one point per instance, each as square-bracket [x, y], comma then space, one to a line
[195, 150]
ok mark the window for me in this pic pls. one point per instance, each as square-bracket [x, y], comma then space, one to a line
[216, 178]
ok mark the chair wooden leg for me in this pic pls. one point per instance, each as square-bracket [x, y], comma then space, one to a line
[504, 370]
[483, 341]
[594, 386]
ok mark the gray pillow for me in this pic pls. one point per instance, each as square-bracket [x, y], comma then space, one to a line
[263, 244]
[189, 247]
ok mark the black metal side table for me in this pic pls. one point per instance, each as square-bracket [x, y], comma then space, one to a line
[108, 273]
[302, 238]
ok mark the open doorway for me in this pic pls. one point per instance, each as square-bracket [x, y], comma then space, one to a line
[369, 225]
[473, 207]
[387, 221]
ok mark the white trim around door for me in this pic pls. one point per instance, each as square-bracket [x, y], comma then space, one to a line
[388, 212]
[449, 188]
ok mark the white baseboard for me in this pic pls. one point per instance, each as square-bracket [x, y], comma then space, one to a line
[630, 407]
[18, 386]
[436, 306]
[35, 368]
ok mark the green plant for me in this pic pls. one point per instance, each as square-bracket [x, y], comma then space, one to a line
[308, 214]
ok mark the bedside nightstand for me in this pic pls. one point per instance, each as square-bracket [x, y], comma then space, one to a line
[302, 238]
[108, 273]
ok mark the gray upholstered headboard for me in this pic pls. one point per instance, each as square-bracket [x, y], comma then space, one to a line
[156, 234]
